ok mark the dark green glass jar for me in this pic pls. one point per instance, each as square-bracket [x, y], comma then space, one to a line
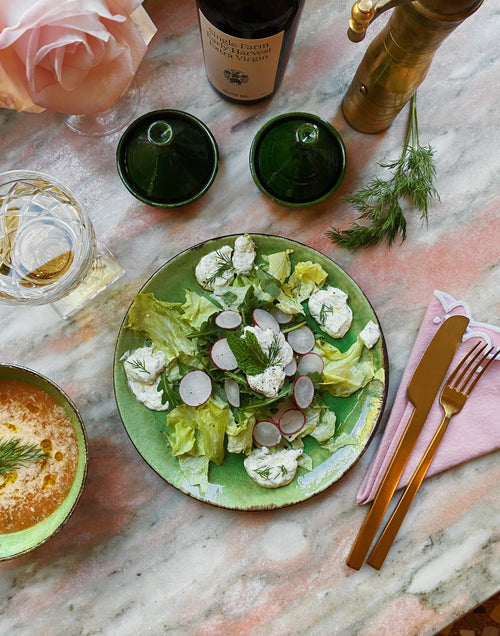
[167, 158]
[297, 159]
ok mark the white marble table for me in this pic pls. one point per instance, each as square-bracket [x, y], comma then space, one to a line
[137, 556]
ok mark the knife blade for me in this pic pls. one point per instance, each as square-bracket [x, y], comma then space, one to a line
[422, 390]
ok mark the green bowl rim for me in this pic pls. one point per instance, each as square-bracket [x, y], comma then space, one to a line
[180, 114]
[84, 450]
[256, 140]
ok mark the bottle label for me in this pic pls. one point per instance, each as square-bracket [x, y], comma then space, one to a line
[239, 68]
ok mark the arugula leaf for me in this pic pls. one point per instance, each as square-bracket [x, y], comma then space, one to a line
[269, 283]
[229, 297]
[169, 393]
[249, 302]
[255, 404]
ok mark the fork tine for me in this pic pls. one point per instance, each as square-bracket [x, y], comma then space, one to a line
[462, 364]
[479, 371]
[470, 369]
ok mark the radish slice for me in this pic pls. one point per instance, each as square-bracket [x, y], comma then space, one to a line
[292, 421]
[266, 433]
[265, 320]
[232, 389]
[284, 405]
[281, 316]
[291, 368]
[195, 388]
[303, 391]
[301, 340]
[228, 319]
[310, 363]
[222, 356]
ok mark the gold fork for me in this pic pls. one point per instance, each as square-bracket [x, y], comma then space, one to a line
[452, 399]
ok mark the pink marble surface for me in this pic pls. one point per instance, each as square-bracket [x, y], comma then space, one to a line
[138, 557]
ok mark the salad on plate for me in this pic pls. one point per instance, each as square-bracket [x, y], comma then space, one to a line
[253, 362]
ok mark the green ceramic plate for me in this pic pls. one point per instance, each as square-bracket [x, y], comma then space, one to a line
[230, 486]
[16, 543]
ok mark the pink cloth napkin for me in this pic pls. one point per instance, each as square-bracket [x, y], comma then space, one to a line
[473, 432]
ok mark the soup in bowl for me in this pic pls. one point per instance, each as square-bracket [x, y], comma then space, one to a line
[43, 459]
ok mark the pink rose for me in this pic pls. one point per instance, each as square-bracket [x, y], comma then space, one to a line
[71, 56]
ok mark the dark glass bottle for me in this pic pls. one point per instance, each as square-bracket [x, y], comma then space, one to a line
[246, 45]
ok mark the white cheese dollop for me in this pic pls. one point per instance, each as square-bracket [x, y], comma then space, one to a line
[369, 334]
[144, 365]
[244, 254]
[268, 338]
[215, 268]
[271, 380]
[330, 310]
[148, 394]
[272, 470]
[142, 368]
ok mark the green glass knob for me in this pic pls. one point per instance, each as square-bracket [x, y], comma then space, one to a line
[160, 133]
[167, 158]
[307, 135]
[297, 159]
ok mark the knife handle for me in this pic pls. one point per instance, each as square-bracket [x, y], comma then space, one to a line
[387, 487]
[390, 531]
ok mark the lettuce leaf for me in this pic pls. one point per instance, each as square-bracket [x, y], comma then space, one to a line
[325, 428]
[160, 322]
[344, 373]
[279, 265]
[306, 279]
[199, 431]
[233, 296]
[239, 434]
[197, 309]
[195, 470]
[340, 441]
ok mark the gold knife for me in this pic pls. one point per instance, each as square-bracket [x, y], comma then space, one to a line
[422, 390]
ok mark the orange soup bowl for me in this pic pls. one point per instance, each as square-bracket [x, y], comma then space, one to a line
[37, 497]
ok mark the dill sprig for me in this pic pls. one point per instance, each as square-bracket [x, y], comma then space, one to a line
[264, 472]
[14, 454]
[138, 364]
[380, 202]
[224, 264]
[325, 311]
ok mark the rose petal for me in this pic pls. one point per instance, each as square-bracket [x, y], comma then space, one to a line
[78, 57]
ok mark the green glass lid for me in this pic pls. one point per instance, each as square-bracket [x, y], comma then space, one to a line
[167, 158]
[297, 159]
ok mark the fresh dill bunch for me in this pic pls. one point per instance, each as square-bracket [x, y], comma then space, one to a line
[14, 454]
[379, 203]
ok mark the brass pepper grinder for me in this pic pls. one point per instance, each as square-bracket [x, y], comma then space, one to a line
[397, 60]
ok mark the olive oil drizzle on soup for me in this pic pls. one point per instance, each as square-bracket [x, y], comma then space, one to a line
[31, 493]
